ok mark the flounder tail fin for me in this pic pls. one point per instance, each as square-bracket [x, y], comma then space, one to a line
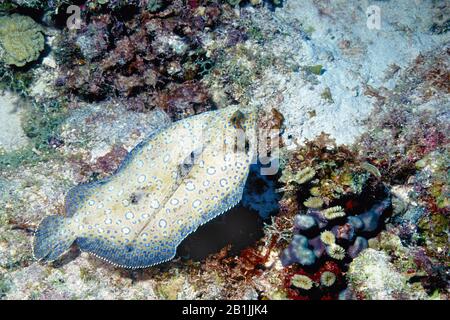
[52, 239]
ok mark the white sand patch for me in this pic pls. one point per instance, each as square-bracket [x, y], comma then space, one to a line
[12, 136]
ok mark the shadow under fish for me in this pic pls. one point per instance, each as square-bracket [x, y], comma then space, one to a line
[177, 180]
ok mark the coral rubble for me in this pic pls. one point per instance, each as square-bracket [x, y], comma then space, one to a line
[152, 59]
[372, 276]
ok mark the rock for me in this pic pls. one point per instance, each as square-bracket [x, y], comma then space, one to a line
[371, 275]
[12, 136]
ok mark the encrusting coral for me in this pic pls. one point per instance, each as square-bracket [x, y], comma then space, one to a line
[21, 40]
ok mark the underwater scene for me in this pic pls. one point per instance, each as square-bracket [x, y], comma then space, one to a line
[224, 150]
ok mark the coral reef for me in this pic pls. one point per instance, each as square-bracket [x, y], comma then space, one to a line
[324, 284]
[327, 238]
[406, 150]
[17, 81]
[421, 270]
[21, 40]
[134, 66]
[151, 59]
[331, 206]
[398, 137]
[322, 170]
[408, 142]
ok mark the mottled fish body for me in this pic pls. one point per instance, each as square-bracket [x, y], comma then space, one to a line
[178, 179]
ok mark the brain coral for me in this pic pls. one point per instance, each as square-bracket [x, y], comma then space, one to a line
[21, 40]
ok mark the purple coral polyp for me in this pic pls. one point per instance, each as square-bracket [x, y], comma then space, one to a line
[298, 251]
[304, 222]
[359, 245]
[352, 234]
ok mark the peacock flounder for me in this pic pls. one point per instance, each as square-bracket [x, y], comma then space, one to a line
[178, 179]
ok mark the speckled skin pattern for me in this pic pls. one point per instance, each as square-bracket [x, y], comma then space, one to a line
[164, 190]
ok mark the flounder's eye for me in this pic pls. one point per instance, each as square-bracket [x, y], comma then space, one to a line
[237, 119]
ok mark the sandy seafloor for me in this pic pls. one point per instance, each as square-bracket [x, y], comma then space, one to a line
[354, 58]
[366, 62]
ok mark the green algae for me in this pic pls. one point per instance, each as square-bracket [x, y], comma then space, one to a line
[170, 289]
[315, 69]
[256, 33]
[238, 68]
[434, 229]
[86, 275]
[6, 7]
[41, 124]
[17, 81]
[5, 286]
[310, 30]
[18, 157]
